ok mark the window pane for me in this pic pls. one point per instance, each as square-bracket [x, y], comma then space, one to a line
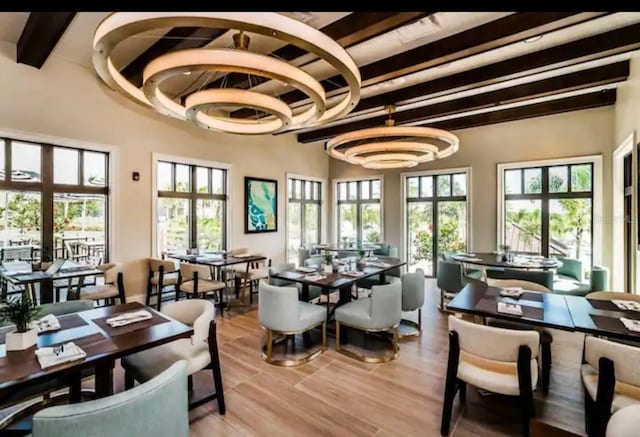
[426, 186]
[533, 180]
[347, 221]
[370, 222]
[79, 227]
[316, 191]
[581, 177]
[365, 189]
[375, 189]
[202, 179]
[311, 223]
[210, 224]
[290, 188]
[164, 176]
[353, 190]
[452, 230]
[298, 191]
[2, 144]
[25, 162]
[523, 225]
[294, 239]
[20, 217]
[173, 224]
[95, 168]
[182, 178]
[570, 230]
[459, 184]
[65, 166]
[307, 190]
[512, 182]
[558, 179]
[420, 238]
[342, 189]
[444, 185]
[217, 181]
[412, 187]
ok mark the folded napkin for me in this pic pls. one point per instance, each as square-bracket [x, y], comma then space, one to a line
[127, 318]
[316, 277]
[306, 269]
[511, 292]
[47, 323]
[626, 304]
[510, 308]
[631, 324]
[353, 273]
[53, 356]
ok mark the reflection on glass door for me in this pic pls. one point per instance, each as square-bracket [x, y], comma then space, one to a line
[436, 218]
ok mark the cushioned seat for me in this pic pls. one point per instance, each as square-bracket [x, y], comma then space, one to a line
[566, 285]
[112, 288]
[204, 286]
[473, 273]
[624, 396]
[254, 274]
[495, 272]
[196, 279]
[145, 365]
[168, 279]
[95, 292]
[355, 313]
[625, 422]
[500, 374]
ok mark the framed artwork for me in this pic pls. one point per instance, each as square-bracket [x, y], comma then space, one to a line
[260, 205]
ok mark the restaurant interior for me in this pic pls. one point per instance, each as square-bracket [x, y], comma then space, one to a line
[319, 223]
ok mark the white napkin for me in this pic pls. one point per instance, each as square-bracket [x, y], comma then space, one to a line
[306, 269]
[626, 304]
[53, 356]
[510, 308]
[316, 277]
[127, 318]
[47, 323]
[631, 324]
[353, 273]
[511, 292]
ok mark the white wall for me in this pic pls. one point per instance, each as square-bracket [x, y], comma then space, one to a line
[69, 103]
[579, 133]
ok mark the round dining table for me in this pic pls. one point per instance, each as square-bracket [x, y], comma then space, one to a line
[527, 262]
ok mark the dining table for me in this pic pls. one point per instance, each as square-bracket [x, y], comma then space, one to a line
[102, 344]
[368, 249]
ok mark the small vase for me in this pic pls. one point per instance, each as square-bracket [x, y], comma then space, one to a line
[328, 268]
[18, 341]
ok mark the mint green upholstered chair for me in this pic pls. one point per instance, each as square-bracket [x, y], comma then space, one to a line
[571, 268]
[469, 272]
[599, 279]
[568, 278]
[542, 277]
[157, 408]
[413, 285]
[449, 279]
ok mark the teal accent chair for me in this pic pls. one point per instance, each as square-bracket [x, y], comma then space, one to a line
[303, 255]
[386, 250]
[542, 277]
[599, 279]
[468, 272]
[449, 279]
[568, 278]
[157, 408]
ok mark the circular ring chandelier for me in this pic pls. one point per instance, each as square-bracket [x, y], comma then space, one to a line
[209, 108]
[392, 146]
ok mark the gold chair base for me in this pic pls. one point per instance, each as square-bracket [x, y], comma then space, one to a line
[267, 349]
[414, 330]
[385, 358]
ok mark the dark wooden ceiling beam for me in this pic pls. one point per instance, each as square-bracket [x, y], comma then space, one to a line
[607, 74]
[622, 40]
[575, 103]
[177, 38]
[40, 35]
[495, 34]
[348, 31]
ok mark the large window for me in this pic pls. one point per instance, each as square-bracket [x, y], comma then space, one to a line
[548, 210]
[359, 213]
[191, 207]
[303, 214]
[436, 212]
[53, 202]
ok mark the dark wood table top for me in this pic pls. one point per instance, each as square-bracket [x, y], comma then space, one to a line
[27, 278]
[96, 338]
[601, 317]
[216, 261]
[540, 309]
[336, 280]
[494, 260]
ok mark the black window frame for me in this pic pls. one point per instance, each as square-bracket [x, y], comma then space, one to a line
[358, 201]
[193, 196]
[48, 188]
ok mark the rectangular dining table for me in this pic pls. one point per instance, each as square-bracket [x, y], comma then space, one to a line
[102, 344]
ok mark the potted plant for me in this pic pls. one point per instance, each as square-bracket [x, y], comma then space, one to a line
[21, 312]
[328, 263]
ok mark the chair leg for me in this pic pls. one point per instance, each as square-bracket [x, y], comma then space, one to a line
[129, 381]
[149, 291]
[324, 336]
[462, 387]
[396, 348]
[215, 367]
[337, 336]
[420, 319]
[269, 344]
[546, 366]
[159, 303]
[190, 382]
[451, 382]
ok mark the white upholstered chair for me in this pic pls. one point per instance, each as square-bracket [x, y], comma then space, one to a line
[625, 422]
[280, 312]
[195, 280]
[413, 299]
[498, 360]
[107, 289]
[611, 378]
[162, 274]
[200, 351]
[380, 312]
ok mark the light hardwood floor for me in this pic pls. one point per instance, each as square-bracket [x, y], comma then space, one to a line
[335, 395]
